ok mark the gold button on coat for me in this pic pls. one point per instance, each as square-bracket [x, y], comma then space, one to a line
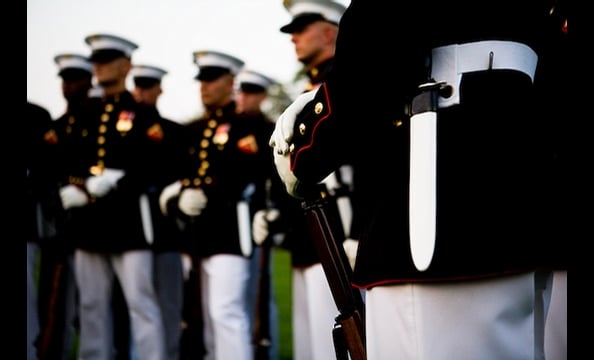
[318, 108]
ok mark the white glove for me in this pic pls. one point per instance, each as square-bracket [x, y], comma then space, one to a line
[283, 131]
[100, 185]
[167, 193]
[278, 239]
[283, 167]
[113, 175]
[192, 201]
[260, 223]
[73, 196]
[350, 248]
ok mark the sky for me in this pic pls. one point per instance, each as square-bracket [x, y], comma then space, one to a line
[168, 32]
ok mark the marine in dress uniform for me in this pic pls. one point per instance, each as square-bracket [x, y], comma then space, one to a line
[252, 93]
[41, 193]
[313, 28]
[489, 191]
[316, 62]
[57, 290]
[212, 200]
[166, 240]
[108, 170]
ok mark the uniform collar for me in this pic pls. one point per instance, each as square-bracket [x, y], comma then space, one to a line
[317, 74]
[221, 111]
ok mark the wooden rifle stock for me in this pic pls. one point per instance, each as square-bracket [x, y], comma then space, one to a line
[323, 221]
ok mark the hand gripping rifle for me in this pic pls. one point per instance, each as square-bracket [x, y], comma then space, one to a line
[324, 224]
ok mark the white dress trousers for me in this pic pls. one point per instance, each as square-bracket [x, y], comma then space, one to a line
[94, 273]
[313, 311]
[224, 279]
[489, 320]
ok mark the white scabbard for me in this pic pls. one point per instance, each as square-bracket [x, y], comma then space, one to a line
[422, 187]
[346, 213]
[146, 217]
[245, 229]
[423, 172]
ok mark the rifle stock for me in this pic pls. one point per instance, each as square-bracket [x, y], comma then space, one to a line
[262, 339]
[324, 223]
[262, 334]
[349, 332]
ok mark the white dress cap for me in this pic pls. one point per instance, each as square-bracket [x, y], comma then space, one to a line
[252, 77]
[147, 71]
[206, 58]
[99, 42]
[331, 11]
[73, 61]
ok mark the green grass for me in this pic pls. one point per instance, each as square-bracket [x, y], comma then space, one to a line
[282, 289]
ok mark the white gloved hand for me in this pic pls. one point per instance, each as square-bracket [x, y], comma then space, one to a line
[278, 239]
[350, 248]
[283, 167]
[259, 227]
[283, 131]
[192, 201]
[167, 194]
[73, 196]
[260, 223]
[100, 185]
[113, 175]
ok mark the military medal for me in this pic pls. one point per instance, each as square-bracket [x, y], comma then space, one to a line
[221, 135]
[124, 123]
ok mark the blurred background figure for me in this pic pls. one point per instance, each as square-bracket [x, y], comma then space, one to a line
[41, 190]
[107, 152]
[313, 29]
[57, 289]
[213, 202]
[168, 271]
[252, 92]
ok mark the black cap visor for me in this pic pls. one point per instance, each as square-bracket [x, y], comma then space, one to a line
[252, 88]
[144, 82]
[74, 74]
[106, 55]
[211, 73]
[300, 22]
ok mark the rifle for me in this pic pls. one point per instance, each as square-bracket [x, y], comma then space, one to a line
[262, 338]
[323, 221]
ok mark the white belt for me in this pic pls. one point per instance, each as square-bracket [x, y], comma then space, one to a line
[450, 62]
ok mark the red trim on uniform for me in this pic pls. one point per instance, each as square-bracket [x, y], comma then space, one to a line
[322, 87]
[440, 280]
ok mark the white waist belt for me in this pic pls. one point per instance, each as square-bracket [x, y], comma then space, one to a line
[450, 62]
